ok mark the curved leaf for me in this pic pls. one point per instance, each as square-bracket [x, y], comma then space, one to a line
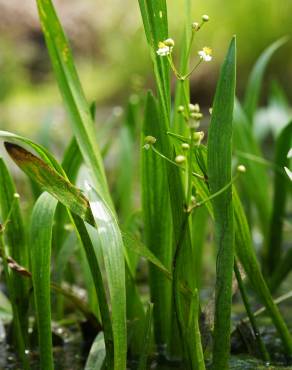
[256, 77]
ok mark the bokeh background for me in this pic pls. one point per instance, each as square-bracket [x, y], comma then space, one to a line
[113, 60]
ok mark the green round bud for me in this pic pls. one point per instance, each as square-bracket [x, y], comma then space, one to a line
[194, 108]
[196, 116]
[195, 26]
[169, 42]
[180, 109]
[179, 159]
[185, 146]
[150, 140]
[241, 168]
[205, 18]
[198, 137]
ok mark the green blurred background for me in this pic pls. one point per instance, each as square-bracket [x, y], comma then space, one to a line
[112, 56]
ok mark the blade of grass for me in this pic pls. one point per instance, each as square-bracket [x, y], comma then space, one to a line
[281, 186]
[16, 243]
[84, 133]
[112, 249]
[182, 89]
[255, 80]
[147, 338]
[154, 16]
[158, 238]
[255, 183]
[40, 243]
[219, 174]
[72, 92]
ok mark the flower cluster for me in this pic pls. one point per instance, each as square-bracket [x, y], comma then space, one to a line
[205, 54]
[165, 47]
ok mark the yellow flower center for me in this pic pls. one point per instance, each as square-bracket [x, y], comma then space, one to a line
[161, 45]
[207, 51]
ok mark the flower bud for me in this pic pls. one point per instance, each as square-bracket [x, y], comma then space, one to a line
[194, 108]
[16, 195]
[150, 140]
[196, 116]
[179, 159]
[169, 42]
[180, 109]
[185, 146]
[198, 137]
[195, 26]
[205, 18]
[241, 168]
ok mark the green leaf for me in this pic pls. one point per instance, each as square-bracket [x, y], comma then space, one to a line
[246, 254]
[219, 174]
[74, 98]
[111, 244]
[158, 238]
[247, 257]
[255, 80]
[15, 240]
[281, 186]
[96, 355]
[255, 182]
[154, 16]
[40, 243]
[147, 338]
[50, 181]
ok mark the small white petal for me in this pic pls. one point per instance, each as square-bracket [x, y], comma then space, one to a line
[289, 155]
[289, 173]
[165, 50]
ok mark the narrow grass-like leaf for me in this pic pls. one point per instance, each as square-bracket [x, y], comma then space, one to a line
[281, 186]
[123, 192]
[50, 180]
[247, 257]
[219, 173]
[147, 338]
[182, 88]
[71, 89]
[15, 238]
[84, 132]
[256, 78]
[255, 183]
[156, 207]
[40, 244]
[112, 249]
[154, 16]
[111, 352]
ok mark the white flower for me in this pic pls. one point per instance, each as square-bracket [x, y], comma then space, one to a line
[163, 49]
[206, 54]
